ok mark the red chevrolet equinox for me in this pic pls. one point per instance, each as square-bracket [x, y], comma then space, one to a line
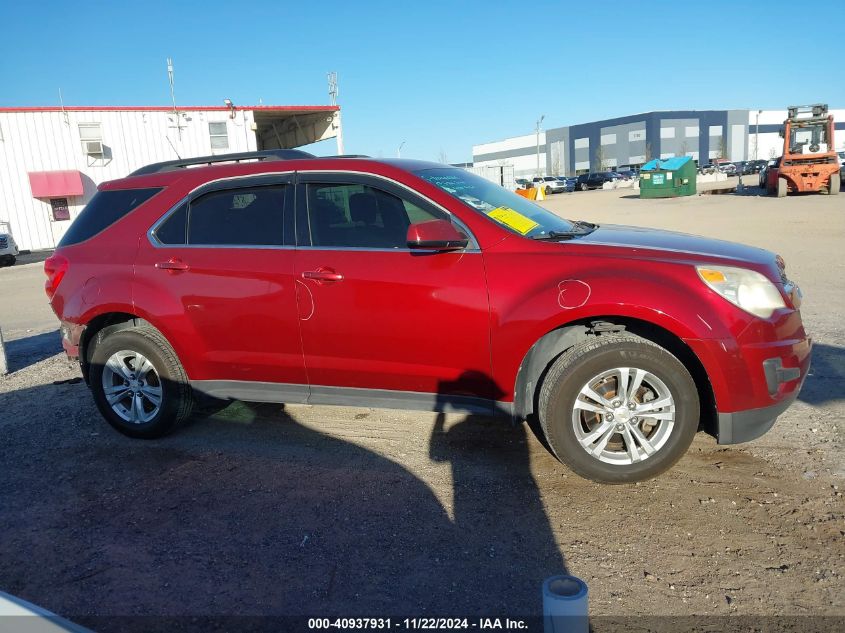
[280, 277]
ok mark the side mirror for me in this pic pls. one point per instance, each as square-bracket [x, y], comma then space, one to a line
[438, 235]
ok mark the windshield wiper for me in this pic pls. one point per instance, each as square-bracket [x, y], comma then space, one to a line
[579, 228]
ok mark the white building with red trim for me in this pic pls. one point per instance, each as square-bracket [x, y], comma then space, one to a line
[53, 158]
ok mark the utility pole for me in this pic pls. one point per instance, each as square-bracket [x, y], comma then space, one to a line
[539, 121]
[399, 150]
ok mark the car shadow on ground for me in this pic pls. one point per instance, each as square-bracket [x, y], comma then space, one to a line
[826, 380]
[23, 352]
[252, 512]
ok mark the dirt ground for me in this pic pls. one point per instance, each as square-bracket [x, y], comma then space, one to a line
[301, 510]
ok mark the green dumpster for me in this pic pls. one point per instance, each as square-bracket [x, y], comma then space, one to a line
[668, 178]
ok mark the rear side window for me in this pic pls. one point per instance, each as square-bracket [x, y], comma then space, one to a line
[238, 217]
[104, 209]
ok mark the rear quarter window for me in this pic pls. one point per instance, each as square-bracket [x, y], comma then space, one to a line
[104, 209]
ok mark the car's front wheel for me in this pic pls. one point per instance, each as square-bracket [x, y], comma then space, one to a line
[138, 383]
[618, 409]
[583, 186]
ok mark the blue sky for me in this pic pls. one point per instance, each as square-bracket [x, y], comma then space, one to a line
[440, 76]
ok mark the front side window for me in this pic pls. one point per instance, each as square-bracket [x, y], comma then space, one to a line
[219, 135]
[360, 216]
[504, 207]
[249, 216]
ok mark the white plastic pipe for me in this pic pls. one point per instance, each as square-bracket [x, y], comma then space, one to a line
[565, 605]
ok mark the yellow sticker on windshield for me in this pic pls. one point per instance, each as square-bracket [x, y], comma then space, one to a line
[513, 219]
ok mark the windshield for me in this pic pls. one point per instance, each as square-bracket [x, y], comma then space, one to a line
[808, 138]
[515, 213]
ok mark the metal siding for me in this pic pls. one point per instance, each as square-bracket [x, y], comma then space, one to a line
[43, 141]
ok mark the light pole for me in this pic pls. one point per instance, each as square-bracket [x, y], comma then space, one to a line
[539, 121]
[399, 150]
[757, 134]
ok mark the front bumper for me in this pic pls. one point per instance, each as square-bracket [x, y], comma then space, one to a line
[744, 426]
[754, 382]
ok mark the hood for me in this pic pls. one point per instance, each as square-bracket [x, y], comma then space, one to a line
[681, 243]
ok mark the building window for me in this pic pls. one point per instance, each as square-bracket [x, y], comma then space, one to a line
[715, 130]
[667, 132]
[636, 135]
[608, 139]
[581, 143]
[219, 135]
[91, 137]
[691, 131]
[60, 209]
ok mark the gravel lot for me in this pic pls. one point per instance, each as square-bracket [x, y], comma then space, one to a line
[265, 510]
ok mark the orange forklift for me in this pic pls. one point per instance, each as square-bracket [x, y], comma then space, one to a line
[809, 160]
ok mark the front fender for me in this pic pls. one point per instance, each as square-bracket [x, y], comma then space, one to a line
[578, 290]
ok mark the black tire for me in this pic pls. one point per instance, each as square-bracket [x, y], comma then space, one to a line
[577, 366]
[833, 187]
[176, 396]
[548, 191]
[583, 186]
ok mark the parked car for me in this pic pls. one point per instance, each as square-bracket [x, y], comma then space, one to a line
[754, 166]
[568, 183]
[549, 184]
[628, 174]
[721, 165]
[296, 279]
[595, 180]
[8, 250]
[769, 176]
[523, 183]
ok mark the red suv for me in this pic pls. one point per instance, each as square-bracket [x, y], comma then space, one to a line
[281, 277]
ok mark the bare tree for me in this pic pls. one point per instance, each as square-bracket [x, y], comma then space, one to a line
[723, 148]
[556, 159]
[648, 152]
[600, 162]
[442, 157]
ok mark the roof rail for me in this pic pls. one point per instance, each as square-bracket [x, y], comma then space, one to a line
[266, 155]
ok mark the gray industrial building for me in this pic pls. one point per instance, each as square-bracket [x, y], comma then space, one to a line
[629, 141]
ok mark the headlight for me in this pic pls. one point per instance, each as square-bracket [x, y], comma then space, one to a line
[744, 288]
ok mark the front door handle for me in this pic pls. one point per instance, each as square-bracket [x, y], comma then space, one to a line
[172, 264]
[322, 274]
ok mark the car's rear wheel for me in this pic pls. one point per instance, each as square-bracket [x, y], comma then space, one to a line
[782, 188]
[618, 409]
[833, 187]
[548, 191]
[138, 383]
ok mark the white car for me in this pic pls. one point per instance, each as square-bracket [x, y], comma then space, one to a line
[8, 249]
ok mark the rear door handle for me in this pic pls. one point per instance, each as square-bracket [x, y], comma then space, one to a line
[172, 264]
[322, 274]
